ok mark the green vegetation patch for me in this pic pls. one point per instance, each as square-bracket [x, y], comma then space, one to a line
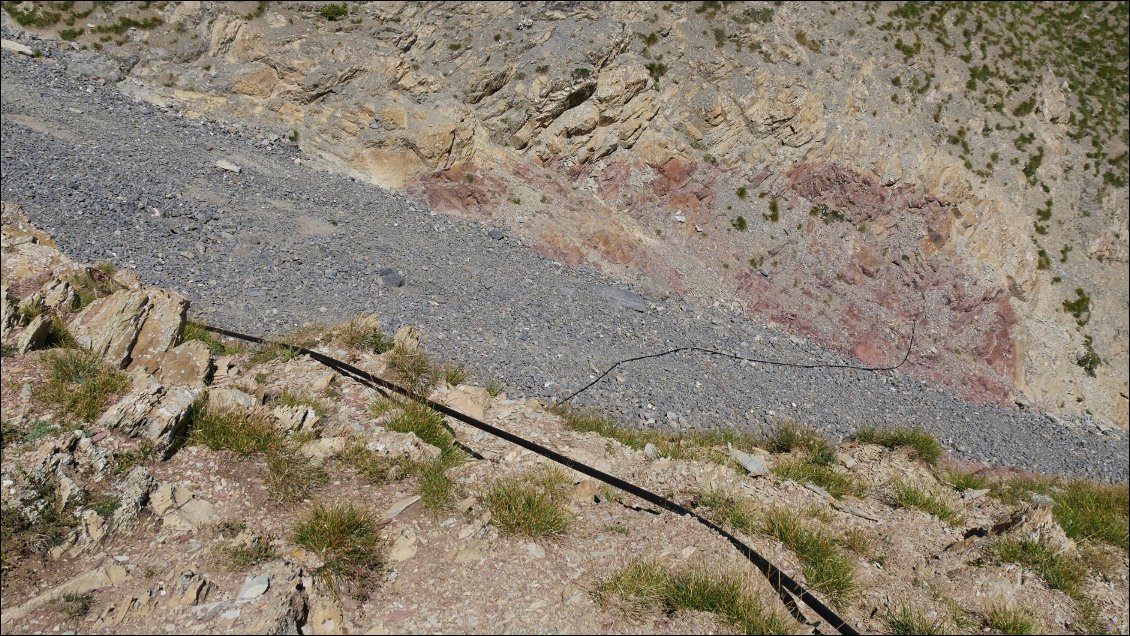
[826, 568]
[79, 383]
[650, 585]
[922, 445]
[531, 504]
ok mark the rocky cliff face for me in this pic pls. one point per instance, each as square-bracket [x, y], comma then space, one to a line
[844, 171]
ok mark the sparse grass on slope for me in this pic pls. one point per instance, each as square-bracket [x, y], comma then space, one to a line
[218, 346]
[79, 383]
[1060, 571]
[290, 477]
[908, 495]
[906, 620]
[921, 444]
[726, 509]
[649, 585]
[826, 568]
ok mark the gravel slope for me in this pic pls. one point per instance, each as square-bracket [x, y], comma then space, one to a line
[279, 244]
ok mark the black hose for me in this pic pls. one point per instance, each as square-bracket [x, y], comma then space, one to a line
[781, 582]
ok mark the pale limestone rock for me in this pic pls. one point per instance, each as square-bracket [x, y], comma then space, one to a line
[180, 509]
[131, 326]
[16, 47]
[54, 295]
[186, 365]
[469, 400]
[407, 338]
[162, 328]
[393, 444]
[9, 313]
[323, 448]
[152, 411]
[300, 419]
[226, 398]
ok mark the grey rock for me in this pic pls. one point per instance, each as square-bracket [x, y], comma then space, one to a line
[253, 587]
[623, 298]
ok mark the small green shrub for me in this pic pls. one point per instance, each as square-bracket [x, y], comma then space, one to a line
[740, 224]
[334, 11]
[1080, 308]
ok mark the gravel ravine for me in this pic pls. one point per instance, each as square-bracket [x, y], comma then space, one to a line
[280, 244]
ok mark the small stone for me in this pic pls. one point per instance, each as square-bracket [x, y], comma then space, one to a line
[224, 164]
[535, 550]
[754, 464]
[650, 451]
[495, 234]
[254, 586]
[401, 506]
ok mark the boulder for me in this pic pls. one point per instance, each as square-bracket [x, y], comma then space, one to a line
[152, 411]
[131, 327]
[186, 365]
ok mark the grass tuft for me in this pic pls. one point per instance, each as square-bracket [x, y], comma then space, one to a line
[531, 504]
[1006, 619]
[922, 445]
[363, 334]
[425, 424]
[347, 539]
[644, 585]
[455, 374]
[788, 436]
[79, 383]
[909, 621]
[412, 368]
[836, 484]
[826, 568]
[909, 496]
[726, 509]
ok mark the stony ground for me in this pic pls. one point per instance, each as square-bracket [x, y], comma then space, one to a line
[102, 535]
[277, 244]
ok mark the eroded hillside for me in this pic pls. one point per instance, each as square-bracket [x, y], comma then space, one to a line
[841, 170]
[159, 478]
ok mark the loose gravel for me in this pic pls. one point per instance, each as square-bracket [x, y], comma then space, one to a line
[279, 244]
